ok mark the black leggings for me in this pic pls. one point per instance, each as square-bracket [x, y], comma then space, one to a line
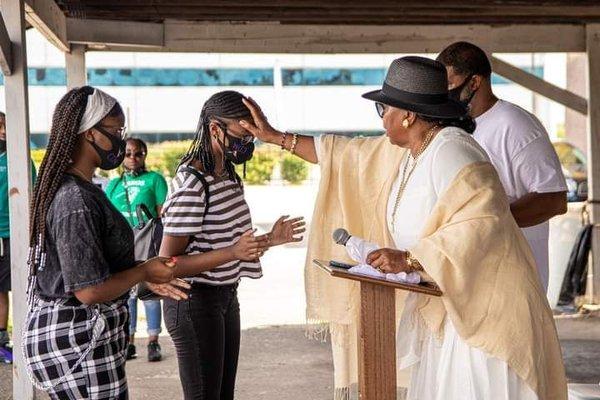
[206, 332]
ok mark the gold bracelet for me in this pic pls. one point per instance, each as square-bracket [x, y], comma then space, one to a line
[412, 262]
[294, 144]
[283, 135]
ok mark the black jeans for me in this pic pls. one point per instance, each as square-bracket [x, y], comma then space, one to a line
[206, 332]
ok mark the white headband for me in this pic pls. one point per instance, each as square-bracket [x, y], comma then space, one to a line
[98, 106]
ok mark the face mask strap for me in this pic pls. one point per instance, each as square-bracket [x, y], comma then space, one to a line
[464, 85]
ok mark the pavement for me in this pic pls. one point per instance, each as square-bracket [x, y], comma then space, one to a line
[275, 363]
[280, 362]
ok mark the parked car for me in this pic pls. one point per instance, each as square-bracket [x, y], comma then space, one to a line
[574, 165]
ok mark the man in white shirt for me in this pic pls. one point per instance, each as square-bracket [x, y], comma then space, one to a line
[518, 146]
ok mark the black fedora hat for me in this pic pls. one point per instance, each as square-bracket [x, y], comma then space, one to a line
[420, 85]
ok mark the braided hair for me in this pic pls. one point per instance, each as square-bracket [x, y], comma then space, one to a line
[225, 104]
[58, 158]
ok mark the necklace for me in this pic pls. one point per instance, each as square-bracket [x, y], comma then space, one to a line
[81, 174]
[405, 176]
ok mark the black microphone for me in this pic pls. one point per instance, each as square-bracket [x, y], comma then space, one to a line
[341, 236]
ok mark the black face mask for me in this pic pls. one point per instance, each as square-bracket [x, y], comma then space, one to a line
[455, 93]
[237, 151]
[2, 146]
[110, 159]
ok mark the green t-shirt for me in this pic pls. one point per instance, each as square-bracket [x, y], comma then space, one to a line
[4, 211]
[148, 188]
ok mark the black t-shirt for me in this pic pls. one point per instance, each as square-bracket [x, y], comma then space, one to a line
[87, 240]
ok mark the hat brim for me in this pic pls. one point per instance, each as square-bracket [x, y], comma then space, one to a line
[448, 110]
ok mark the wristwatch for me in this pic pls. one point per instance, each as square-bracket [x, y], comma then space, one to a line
[412, 262]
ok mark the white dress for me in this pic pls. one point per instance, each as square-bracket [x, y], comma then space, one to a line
[446, 369]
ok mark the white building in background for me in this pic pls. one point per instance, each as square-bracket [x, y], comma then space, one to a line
[163, 93]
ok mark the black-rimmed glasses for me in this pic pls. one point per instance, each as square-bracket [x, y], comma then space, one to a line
[120, 132]
[246, 139]
[380, 107]
[137, 154]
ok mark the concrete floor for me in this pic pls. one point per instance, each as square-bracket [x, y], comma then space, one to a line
[279, 362]
[276, 362]
[580, 342]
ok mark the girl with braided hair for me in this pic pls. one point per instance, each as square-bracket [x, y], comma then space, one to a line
[207, 225]
[81, 257]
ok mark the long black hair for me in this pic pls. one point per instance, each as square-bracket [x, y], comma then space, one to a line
[227, 104]
[64, 136]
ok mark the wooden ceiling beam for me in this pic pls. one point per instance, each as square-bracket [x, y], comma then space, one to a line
[100, 33]
[539, 86]
[182, 36]
[49, 20]
[333, 3]
[192, 11]
[339, 11]
[6, 56]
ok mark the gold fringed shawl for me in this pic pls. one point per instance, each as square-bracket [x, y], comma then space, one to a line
[473, 249]
[355, 174]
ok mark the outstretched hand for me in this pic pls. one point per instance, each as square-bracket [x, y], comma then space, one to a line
[287, 230]
[171, 289]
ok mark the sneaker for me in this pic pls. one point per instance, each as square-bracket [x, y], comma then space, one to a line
[154, 352]
[4, 339]
[6, 355]
[131, 352]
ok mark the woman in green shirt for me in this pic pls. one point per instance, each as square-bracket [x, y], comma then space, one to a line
[134, 187]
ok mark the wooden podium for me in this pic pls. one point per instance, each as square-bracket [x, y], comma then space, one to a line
[377, 330]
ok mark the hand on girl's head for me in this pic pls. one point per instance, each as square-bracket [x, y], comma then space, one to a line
[258, 124]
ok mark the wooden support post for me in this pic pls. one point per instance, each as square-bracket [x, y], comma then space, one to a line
[593, 140]
[75, 63]
[377, 342]
[19, 183]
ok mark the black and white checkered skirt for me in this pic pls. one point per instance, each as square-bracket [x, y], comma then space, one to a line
[75, 351]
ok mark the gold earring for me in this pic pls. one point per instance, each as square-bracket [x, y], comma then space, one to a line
[405, 123]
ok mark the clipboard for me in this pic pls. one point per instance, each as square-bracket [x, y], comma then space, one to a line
[337, 272]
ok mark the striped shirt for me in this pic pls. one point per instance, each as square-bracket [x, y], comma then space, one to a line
[227, 218]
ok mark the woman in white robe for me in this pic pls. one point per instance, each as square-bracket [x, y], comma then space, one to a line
[445, 368]
[485, 362]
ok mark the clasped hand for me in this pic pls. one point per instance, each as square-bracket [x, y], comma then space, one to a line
[159, 274]
[389, 261]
